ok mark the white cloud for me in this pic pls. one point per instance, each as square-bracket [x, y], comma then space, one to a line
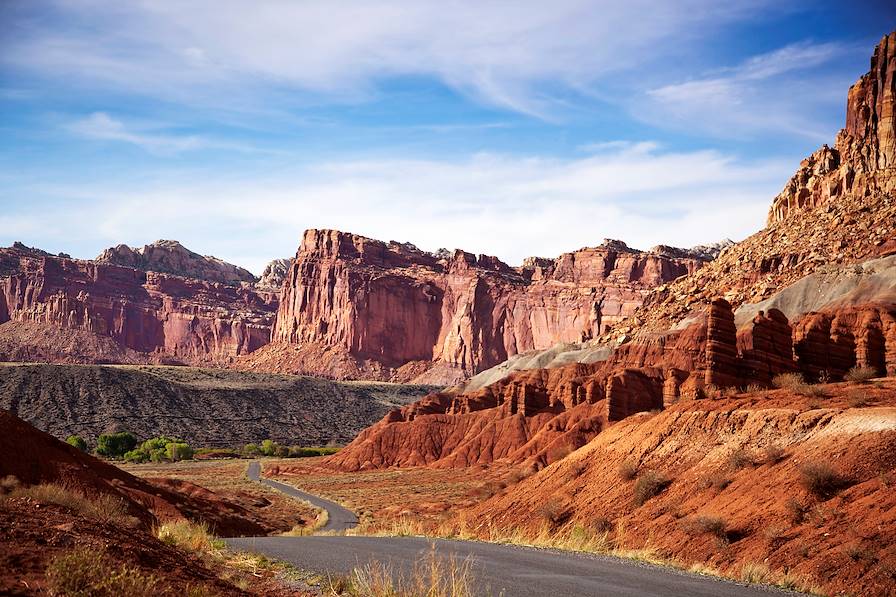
[503, 205]
[777, 91]
[100, 125]
[505, 53]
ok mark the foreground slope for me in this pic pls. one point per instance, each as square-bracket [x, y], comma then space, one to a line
[768, 479]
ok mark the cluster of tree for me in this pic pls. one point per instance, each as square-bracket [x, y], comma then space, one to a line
[163, 448]
[160, 449]
[271, 448]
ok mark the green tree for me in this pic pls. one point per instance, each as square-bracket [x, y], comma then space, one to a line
[268, 447]
[77, 441]
[115, 445]
[251, 450]
[179, 451]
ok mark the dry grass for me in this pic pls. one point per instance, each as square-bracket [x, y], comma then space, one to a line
[101, 507]
[774, 453]
[89, 573]
[188, 535]
[755, 573]
[860, 374]
[433, 575]
[741, 458]
[796, 383]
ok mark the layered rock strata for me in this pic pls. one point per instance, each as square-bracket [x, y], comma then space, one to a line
[390, 305]
[157, 317]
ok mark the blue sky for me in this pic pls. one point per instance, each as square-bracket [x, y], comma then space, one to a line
[509, 128]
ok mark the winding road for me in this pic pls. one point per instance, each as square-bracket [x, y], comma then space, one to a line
[499, 569]
[340, 519]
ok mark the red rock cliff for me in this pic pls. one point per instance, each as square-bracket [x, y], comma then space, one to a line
[863, 159]
[393, 304]
[161, 317]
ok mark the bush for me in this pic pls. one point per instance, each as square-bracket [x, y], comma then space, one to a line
[711, 525]
[774, 453]
[115, 445]
[857, 398]
[177, 451]
[820, 479]
[790, 381]
[740, 458]
[77, 441]
[796, 511]
[628, 470]
[87, 572]
[648, 485]
[300, 452]
[251, 450]
[860, 374]
[102, 507]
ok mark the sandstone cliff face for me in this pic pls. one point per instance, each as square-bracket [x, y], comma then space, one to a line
[159, 317]
[171, 257]
[863, 159]
[274, 275]
[395, 305]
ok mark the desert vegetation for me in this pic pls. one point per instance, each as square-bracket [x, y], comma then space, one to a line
[160, 449]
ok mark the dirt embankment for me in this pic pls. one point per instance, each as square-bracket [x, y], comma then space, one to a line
[803, 484]
[205, 407]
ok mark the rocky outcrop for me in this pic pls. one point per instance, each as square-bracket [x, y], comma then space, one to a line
[274, 275]
[171, 257]
[863, 159]
[155, 317]
[393, 304]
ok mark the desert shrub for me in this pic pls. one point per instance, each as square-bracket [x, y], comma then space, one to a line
[603, 525]
[628, 470]
[754, 387]
[8, 484]
[718, 480]
[712, 391]
[774, 453]
[820, 479]
[860, 374]
[136, 456]
[857, 398]
[740, 458]
[77, 441]
[796, 510]
[648, 485]
[213, 453]
[788, 381]
[86, 572]
[703, 525]
[115, 445]
[552, 511]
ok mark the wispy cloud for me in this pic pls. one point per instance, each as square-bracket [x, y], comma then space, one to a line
[777, 90]
[100, 125]
[519, 55]
[498, 204]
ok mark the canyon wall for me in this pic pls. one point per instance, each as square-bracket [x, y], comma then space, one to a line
[394, 305]
[157, 317]
[863, 159]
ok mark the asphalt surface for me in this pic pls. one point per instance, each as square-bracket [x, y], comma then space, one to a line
[505, 570]
[340, 519]
[501, 569]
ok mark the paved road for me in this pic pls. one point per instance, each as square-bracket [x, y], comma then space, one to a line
[340, 519]
[502, 569]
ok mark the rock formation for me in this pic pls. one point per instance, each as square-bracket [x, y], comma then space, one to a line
[863, 159]
[171, 257]
[158, 317]
[389, 306]
[274, 275]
